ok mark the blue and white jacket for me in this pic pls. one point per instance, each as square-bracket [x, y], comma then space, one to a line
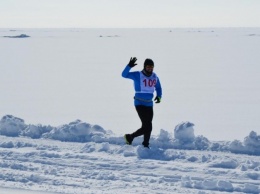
[144, 86]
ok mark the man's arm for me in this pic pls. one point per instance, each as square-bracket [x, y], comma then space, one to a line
[126, 72]
[158, 89]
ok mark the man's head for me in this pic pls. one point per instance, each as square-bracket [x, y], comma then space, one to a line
[148, 66]
[148, 62]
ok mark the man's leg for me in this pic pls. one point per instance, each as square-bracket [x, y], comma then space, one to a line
[141, 113]
[146, 115]
[148, 125]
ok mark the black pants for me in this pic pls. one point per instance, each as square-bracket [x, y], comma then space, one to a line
[146, 115]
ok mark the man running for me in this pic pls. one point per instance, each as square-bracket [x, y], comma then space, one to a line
[145, 83]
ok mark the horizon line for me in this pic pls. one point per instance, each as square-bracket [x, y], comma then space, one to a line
[125, 27]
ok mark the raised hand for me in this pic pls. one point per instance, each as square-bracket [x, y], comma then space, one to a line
[132, 62]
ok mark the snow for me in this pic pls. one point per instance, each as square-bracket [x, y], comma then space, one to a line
[83, 158]
[206, 131]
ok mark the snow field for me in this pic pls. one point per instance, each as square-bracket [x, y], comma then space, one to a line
[101, 163]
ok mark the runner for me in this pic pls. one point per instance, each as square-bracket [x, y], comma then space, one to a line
[145, 83]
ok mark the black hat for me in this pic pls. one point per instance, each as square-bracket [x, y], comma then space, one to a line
[148, 62]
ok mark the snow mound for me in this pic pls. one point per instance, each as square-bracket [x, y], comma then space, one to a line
[207, 184]
[227, 163]
[185, 138]
[11, 126]
[184, 132]
[76, 131]
[152, 153]
[92, 147]
[161, 145]
[251, 145]
[35, 131]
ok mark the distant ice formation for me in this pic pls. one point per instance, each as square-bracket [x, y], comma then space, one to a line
[18, 36]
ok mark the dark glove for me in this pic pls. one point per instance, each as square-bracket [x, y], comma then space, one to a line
[132, 62]
[157, 99]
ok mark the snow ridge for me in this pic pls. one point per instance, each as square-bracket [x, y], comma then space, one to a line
[78, 131]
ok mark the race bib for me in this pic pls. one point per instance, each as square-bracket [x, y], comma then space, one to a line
[147, 83]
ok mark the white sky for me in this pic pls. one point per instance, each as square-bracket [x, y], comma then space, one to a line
[129, 13]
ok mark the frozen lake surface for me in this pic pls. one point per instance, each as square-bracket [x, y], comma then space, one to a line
[209, 77]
